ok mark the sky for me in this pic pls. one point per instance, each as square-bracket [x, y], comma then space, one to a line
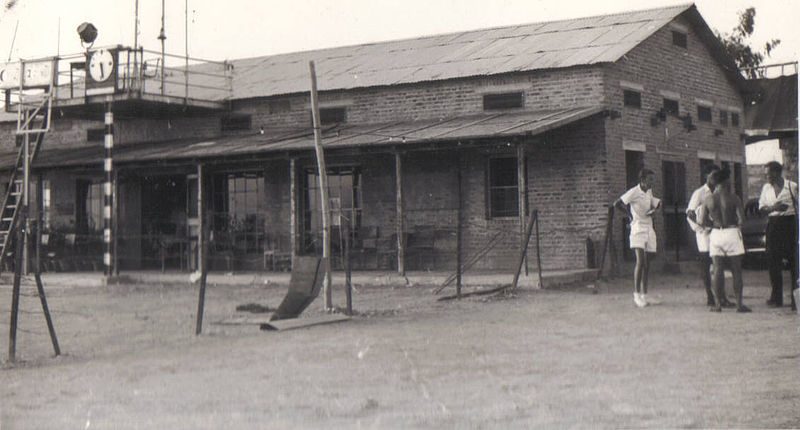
[231, 29]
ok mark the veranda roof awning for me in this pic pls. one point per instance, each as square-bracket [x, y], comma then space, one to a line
[484, 126]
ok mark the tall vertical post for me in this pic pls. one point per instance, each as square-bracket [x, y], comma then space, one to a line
[401, 248]
[26, 201]
[521, 188]
[323, 189]
[108, 189]
[201, 252]
[459, 225]
[293, 232]
[201, 237]
[115, 223]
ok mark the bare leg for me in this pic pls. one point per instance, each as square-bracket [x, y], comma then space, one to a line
[718, 281]
[639, 271]
[738, 284]
[705, 276]
[645, 272]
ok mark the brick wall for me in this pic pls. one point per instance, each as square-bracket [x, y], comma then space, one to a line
[658, 65]
[547, 89]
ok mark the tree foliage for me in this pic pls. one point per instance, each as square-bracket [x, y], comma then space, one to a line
[737, 44]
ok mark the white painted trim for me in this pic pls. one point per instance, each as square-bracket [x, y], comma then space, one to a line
[706, 155]
[731, 158]
[670, 95]
[704, 102]
[331, 104]
[631, 86]
[505, 88]
[632, 145]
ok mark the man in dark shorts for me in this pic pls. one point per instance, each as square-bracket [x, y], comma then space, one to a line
[779, 200]
[724, 213]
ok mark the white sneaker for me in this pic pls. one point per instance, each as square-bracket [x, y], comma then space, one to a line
[637, 298]
[649, 301]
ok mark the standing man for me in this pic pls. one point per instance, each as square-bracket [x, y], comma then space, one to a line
[643, 237]
[701, 235]
[779, 200]
[724, 212]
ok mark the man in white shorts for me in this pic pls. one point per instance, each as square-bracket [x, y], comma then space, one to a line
[643, 236]
[701, 235]
[723, 211]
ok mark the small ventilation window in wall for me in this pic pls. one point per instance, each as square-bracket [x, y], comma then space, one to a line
[671, 107]
[632, 98]
[236, 122]
[734, 119]
[704, 113]
[502, 101]
[679, 38]
[332, 115]
[723, 117]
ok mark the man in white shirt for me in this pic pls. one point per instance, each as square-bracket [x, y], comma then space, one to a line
[701, 235]
[643, 237]
[778, 200]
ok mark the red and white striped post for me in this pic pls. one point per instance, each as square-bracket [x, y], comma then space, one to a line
[108, 196]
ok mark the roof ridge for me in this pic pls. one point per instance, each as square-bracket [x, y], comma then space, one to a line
[681, 6]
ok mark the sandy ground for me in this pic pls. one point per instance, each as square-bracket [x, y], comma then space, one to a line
[573, 357]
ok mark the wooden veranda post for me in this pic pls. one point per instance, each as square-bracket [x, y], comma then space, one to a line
[293, 207]
[323, 189]
[459, 224]
[401, 250]
[200, 221]
[521, 188]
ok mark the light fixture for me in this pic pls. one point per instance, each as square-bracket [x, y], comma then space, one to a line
[88, 33]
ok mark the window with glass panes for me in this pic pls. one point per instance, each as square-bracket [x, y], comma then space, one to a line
[344, 196]
[89, 212]
[239, 207]
[503, 186]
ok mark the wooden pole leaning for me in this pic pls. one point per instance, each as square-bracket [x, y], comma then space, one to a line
[323, 189]
[201, 252]
[38, 266]
[538, 251]
[524, 249]
[606, 240]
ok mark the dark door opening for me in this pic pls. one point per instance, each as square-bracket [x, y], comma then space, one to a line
[164, 222]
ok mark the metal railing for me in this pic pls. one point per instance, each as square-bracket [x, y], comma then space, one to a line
[136, 72]
[770, 70]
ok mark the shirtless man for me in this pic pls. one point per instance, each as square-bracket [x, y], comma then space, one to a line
[701, 235]
[724, 213]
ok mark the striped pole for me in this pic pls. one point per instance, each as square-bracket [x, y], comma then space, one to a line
[108, 197]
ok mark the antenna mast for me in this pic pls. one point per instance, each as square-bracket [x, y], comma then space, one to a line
[162, 36]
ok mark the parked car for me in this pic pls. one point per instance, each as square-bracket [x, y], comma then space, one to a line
[754, 234]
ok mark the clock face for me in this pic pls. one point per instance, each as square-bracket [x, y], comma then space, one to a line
[9, 75]
[101, 65]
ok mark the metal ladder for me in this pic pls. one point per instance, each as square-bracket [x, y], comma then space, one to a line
[29, 136]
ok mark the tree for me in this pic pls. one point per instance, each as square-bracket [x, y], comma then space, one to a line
[737, 44]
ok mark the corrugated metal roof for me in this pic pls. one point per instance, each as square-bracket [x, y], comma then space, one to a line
[556, 44]
[398, 133]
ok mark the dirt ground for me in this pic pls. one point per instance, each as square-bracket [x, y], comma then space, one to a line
[572, 357]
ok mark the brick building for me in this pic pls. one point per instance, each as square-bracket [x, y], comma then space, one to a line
[474, 129]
